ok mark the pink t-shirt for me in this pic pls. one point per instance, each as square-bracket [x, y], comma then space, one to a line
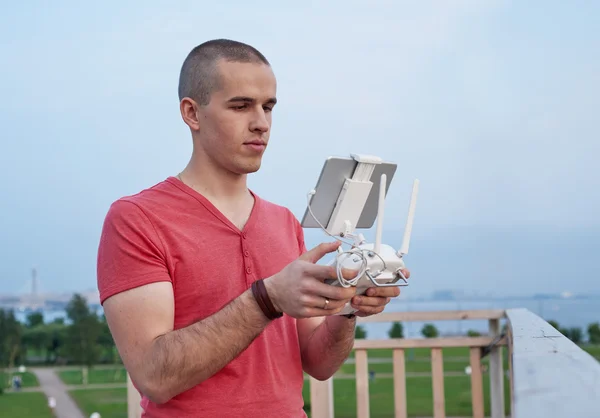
[170, 232]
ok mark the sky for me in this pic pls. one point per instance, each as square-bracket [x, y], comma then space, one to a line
[491, 104]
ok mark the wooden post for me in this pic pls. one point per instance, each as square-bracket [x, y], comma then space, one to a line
[400, 408]
[321, 398]
[476, 382]
[496, 374]
[437, 375]
[362, 384]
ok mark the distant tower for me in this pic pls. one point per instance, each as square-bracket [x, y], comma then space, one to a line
[34, 284]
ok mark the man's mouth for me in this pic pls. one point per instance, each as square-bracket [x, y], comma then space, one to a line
[256, 145]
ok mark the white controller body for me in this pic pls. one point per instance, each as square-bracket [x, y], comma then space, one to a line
[388, 277]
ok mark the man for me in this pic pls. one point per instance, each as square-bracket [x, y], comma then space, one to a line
[214, 303]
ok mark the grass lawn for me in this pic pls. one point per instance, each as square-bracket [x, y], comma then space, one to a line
[109, 403]
[28, 379]
[75, 377]
[418, 353]
[419, 397]
[24, 404]
[417, 360]
[594, 350]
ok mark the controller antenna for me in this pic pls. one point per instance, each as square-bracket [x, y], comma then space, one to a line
[409, 221]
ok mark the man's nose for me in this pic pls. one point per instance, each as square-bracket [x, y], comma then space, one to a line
[260, 121]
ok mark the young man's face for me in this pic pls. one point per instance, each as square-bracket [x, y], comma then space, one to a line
[234, 127]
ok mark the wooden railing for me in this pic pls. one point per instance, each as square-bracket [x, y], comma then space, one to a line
[322, 391]
[549, 375]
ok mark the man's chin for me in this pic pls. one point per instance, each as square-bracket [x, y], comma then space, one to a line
[249, 167]
[253, 169]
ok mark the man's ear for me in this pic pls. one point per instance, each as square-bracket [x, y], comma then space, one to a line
[189, 113]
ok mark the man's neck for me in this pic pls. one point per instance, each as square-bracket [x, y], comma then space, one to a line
[214, 182]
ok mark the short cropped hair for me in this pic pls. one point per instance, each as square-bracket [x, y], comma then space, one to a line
[199, 77]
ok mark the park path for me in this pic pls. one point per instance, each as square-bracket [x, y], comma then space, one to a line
[51, 385]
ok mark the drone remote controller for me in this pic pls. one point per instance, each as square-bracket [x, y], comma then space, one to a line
[375, 264]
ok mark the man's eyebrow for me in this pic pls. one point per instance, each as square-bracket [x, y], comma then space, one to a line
[245, 99]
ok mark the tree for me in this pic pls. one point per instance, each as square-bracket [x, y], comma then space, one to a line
[10, 341]
[397, 330]
[593, 331]
[83, 333]
[554, 324]
[107, 343]
[56, 338]
[575, 334]
[10, 338]
[34, 319]
[473, 333]
[35, 338]
[429, 331]
[360, 332]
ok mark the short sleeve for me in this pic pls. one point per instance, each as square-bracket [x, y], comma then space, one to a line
[130, 253]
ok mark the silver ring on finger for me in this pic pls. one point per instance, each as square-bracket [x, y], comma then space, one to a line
[326, 303]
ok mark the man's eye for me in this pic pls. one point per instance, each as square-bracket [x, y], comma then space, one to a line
[239, 107]
[268, 109]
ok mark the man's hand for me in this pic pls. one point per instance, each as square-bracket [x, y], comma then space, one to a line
[376, 298]
[299, 289]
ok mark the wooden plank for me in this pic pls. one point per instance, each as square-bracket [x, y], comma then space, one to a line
[435, 315]
[476, 382]
[437, 371]
[496, 374]
[321, 398]
[361, 344]
[134, 409]
[552, 376]
[400, 408]
[362, 384]
[511, 382]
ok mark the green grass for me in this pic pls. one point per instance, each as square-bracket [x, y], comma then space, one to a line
[419, 397]
[411, 367]
[418, 360]
[24, 404]
[416, 353]
[75, 377]
[112, 403]
[109, 403]
[594, 350]
[28, 379]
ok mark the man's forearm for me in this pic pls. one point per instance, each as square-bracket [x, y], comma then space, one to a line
[179, 360]
[329, 346]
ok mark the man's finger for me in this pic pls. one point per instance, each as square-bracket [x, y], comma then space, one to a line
[322, 272]
[369, 310]
[316, 253]
[360, 300]
[334, 292]
[386, 292]
[349, 274]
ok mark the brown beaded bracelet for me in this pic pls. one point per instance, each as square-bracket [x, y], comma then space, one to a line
[264, 301]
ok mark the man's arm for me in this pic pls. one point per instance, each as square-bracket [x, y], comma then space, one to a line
[326, 342]
[163, 362]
